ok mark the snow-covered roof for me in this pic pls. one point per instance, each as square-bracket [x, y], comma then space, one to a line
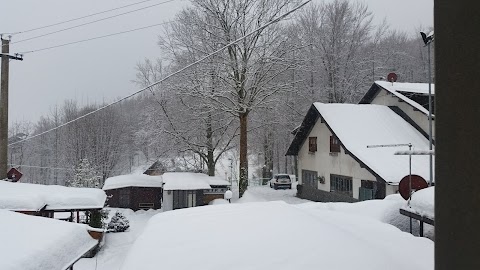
[190, 181]
[423, 202]
[33, 197]
[132, 180]
[360, 125]
[416, 88]
[419, 88]
[332, 235]
[37, 243]
[217, 181]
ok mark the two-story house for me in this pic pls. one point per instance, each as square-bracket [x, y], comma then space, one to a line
[346, 152]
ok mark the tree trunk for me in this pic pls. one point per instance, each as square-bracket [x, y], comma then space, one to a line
[243, 184]
[210, 157]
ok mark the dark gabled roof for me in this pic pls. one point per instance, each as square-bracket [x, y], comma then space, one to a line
[371, 94]
[302, 131]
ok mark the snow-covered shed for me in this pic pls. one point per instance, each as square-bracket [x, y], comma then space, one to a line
[409, 99]
[334, 161]
[45, 200]
[185, 189]
[134, 191]
[35, 243]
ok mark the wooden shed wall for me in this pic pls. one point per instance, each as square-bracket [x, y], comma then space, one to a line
[139, 197]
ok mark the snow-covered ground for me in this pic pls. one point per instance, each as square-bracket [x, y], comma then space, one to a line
[274, 235]
[116, 246]
[355, 219]
[265, 193]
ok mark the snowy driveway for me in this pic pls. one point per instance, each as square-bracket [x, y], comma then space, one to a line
[116, 246]
[267, 194]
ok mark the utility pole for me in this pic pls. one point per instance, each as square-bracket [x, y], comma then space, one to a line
[4, 105]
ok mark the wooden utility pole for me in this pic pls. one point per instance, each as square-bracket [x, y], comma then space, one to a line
[4, 106]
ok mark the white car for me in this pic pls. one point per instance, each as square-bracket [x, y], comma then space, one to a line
[281, 181]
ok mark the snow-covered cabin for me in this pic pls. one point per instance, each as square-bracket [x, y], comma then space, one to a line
[185, 189]
[35, 243]
[334, 163]
[46, 200]
[410, 100]
[134, 191]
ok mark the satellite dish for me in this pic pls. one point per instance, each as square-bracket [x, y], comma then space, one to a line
[392, 77]
[417, 183]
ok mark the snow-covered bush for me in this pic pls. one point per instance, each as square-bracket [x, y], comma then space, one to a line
[118, 223]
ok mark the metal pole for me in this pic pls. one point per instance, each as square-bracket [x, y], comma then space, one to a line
[4, 109]
[410, 181]
[430, 131]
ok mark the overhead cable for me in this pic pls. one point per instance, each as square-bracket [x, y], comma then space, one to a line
[166, 77]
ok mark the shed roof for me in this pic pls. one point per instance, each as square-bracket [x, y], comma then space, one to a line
[132, 180]
[190, 181]
[37, 243]
[33, 197]
[359, 125]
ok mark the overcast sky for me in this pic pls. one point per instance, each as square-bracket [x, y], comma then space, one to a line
[103, 69]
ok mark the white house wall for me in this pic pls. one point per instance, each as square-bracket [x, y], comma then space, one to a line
[388, 99]
[167, 200]
[325, 164]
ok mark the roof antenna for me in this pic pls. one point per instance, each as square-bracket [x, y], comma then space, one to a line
[392, 77]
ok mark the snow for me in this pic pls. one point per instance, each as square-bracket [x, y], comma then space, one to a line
[116, 246]
[423, 202]
[360, 125]
[420, 88]
[217, 181]
[132, 180]
[190, 181]
[274, 235]
[33, 197]
[218, 201]
[39, 243]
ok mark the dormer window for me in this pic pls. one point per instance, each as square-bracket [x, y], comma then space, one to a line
[334, 145]
[312, 144]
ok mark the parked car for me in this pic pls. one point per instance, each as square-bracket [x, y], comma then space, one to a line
[281, 181]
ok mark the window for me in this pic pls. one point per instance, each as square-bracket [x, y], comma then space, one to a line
[341, 184]
[367, 190]
[309, 178]
[312, 144]
[334, 145]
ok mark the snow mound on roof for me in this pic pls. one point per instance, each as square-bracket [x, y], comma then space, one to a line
[274, 235]
[360, 125]
[132, 180]
[190, 181]
[39, 243]
[33, 197]
[423, 202]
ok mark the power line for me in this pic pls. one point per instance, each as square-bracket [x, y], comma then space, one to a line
[94, 38]
[91, 22]
[168, 76]
[76, 19]
[53, 168]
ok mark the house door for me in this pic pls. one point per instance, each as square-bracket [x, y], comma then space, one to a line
[184, 199]
[124, 198]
